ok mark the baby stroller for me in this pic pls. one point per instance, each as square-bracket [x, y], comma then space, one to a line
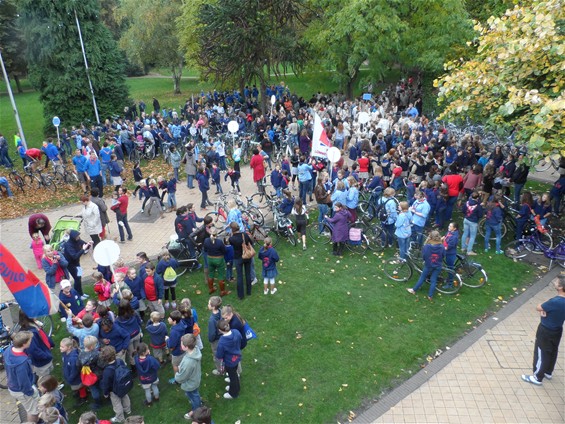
[66, 222]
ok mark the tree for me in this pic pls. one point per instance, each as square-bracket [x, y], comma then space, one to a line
[242, 40]
[56, 62]
[515, 81]
[347, 34]
[12, 42]
[151, 35]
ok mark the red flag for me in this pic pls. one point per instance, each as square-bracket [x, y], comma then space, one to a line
[320, 141]
[33, 296]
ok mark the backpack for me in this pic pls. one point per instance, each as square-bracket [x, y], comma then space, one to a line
[123, 379]
[380, 212]
[169, 274]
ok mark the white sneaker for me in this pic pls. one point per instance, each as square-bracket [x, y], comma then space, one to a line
[167, 305]
[215, 372]
[84, 297]
[548, 376]
[63, 319]
[227, 388]
[115, 420]
[227, 396]
[273, 291]
[227, 380]
[188, 416]
[254, 281]
[174, 305]
[266, 291]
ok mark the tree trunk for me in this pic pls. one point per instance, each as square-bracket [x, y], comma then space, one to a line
[351, 82]
[18, 83]
[177, 75]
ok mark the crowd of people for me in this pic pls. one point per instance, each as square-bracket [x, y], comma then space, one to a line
[398, 149]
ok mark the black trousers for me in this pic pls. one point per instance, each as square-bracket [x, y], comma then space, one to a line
[545, 351]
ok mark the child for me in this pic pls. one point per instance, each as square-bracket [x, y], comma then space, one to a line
[154, 288]
[120, 405]
[270, 257]
[144, 193]
[215, 308]
[228, 258]
[89, 308]
[172, 192]
[216, 178]
[138, 178]
[450, 241]
[131, 323]
[135, 284]
[37, 248]
[71, 299]
[71, 370]
[493, 222]
[147, 367]
[284, 180]
[51, 415]
[301, 216]
[542, 208]
[115, 336]
[89, 356]
[162, 186]
[229, 353]
[49, 384]
[178, 329]
[169, 276]
[411, 189]
[20, 375]
[276, 180]
[186, 303]
[189, 372]
[157, 335]
[115, 172]
[285, 166]
[153, 198]
[85, 327]
[103, 289]
[287, 204]
[340, 233]
[403, 230]
[433, 254]
[472, 212]
[234, 177]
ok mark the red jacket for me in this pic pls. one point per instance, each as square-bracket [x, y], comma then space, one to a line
[258, 167]
[123, 205]
[454, 184]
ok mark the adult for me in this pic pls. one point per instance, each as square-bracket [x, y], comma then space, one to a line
[190, 166]
[94, 173]
[388, 202]
[103, 208]
[55, 266]
[91, 218]
[4, 155]
[472, 213]
[52, 153]
[520, 177]
[105, 158]
[304, 143]
[241, 265]
[39, 351]
[304, 178]
[74, 249]
[323, 199]
[39, 223]
[454, 183]
[257, 164]
[122, 214]
[548, 335]
[203, 186]
[80, 163]
[4, 183]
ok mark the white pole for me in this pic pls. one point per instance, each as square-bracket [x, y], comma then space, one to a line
[87, 71]
[13, 101]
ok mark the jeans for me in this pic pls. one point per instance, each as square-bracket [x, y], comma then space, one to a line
[240, 267]
[223, 163]
[497, 228]
[5, 158]
[449, 208]
[104, 169]
[96, 393]
[124, 224]
[450, 262]
[304, 188]
[322, 211]
[517, 191]
[219, 187]
[151, 391]
[4, 183]
[172, 200]
[204, 201]
[403, 244]
[194, 398]
[176, 171]
[189, 181]
[417, 234]
[433, 273]
[229, 270]
[388, 234]
[469, 232]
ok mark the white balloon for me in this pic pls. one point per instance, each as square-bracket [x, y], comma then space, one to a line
[273, 99]
[333, 154]
[363, 117]
[106, 253]
[233, 126]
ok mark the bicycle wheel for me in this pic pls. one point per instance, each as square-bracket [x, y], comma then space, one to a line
[397, 269]
[49, 183]
[29, 180]
[291, 236]
[472, 275]
[46, 323]
[367, 210]
[17, 181]
[448, 281]
[259, 233]
[71, 178]
[258, 199]
[317, 236]
[546, 240]
[218, 220]
[482, 229]
[519, 249]
[375, 238]
[254, 214]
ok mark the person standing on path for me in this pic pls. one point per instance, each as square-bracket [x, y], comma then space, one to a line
[91, 218]
[103, 209]
[548, 335]
[121, 209]
[203, 185]
[257, 164]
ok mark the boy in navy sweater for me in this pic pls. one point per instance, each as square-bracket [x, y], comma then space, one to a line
[20, 375]
[120, 405]
[178, 329]
[71, 369]
[114, 336]
[216, 177]
[276, 180]
[234, 177]
[147, 367]
[157, 335]
[70, 298]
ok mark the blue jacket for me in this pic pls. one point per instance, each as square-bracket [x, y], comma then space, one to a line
[213, 333]
[229, 348]
[72, 301]
[73, 248]
[286, 205]
[431, 196]
[136, 286]
[71, 368]
[119, 338]
[494, 215]
[147, 369]
[424, 209]
[203, 184]
[269, 257]
[19, 372]
[107, 382]
[81, 333]
[433, 255]
[172, 185]
[157, 334]
[216, 177]
[132, 325]
[403, 226]
[38, 351]
[51, 270]
[177, 331]
[80, 163]
[472, 210]
[134, 301]
[276, 179]
[236, 324]
[162, 265]
[450, 242]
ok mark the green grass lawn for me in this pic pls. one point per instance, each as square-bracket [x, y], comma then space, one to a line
[336, 334]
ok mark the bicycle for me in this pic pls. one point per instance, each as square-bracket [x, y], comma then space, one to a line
[37, 178]
[369, 239]
[250, 209]
[17, 180]
[519, 249]
[142, 150]
[472, 273]
[219, 215]
[180, 252]
[448, 281]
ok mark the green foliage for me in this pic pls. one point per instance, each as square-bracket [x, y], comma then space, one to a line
[481, 10]
[56, 63]
[11, 41]
[515, 79]
[151, 35]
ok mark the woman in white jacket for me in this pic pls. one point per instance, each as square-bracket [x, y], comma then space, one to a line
[91, 218]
